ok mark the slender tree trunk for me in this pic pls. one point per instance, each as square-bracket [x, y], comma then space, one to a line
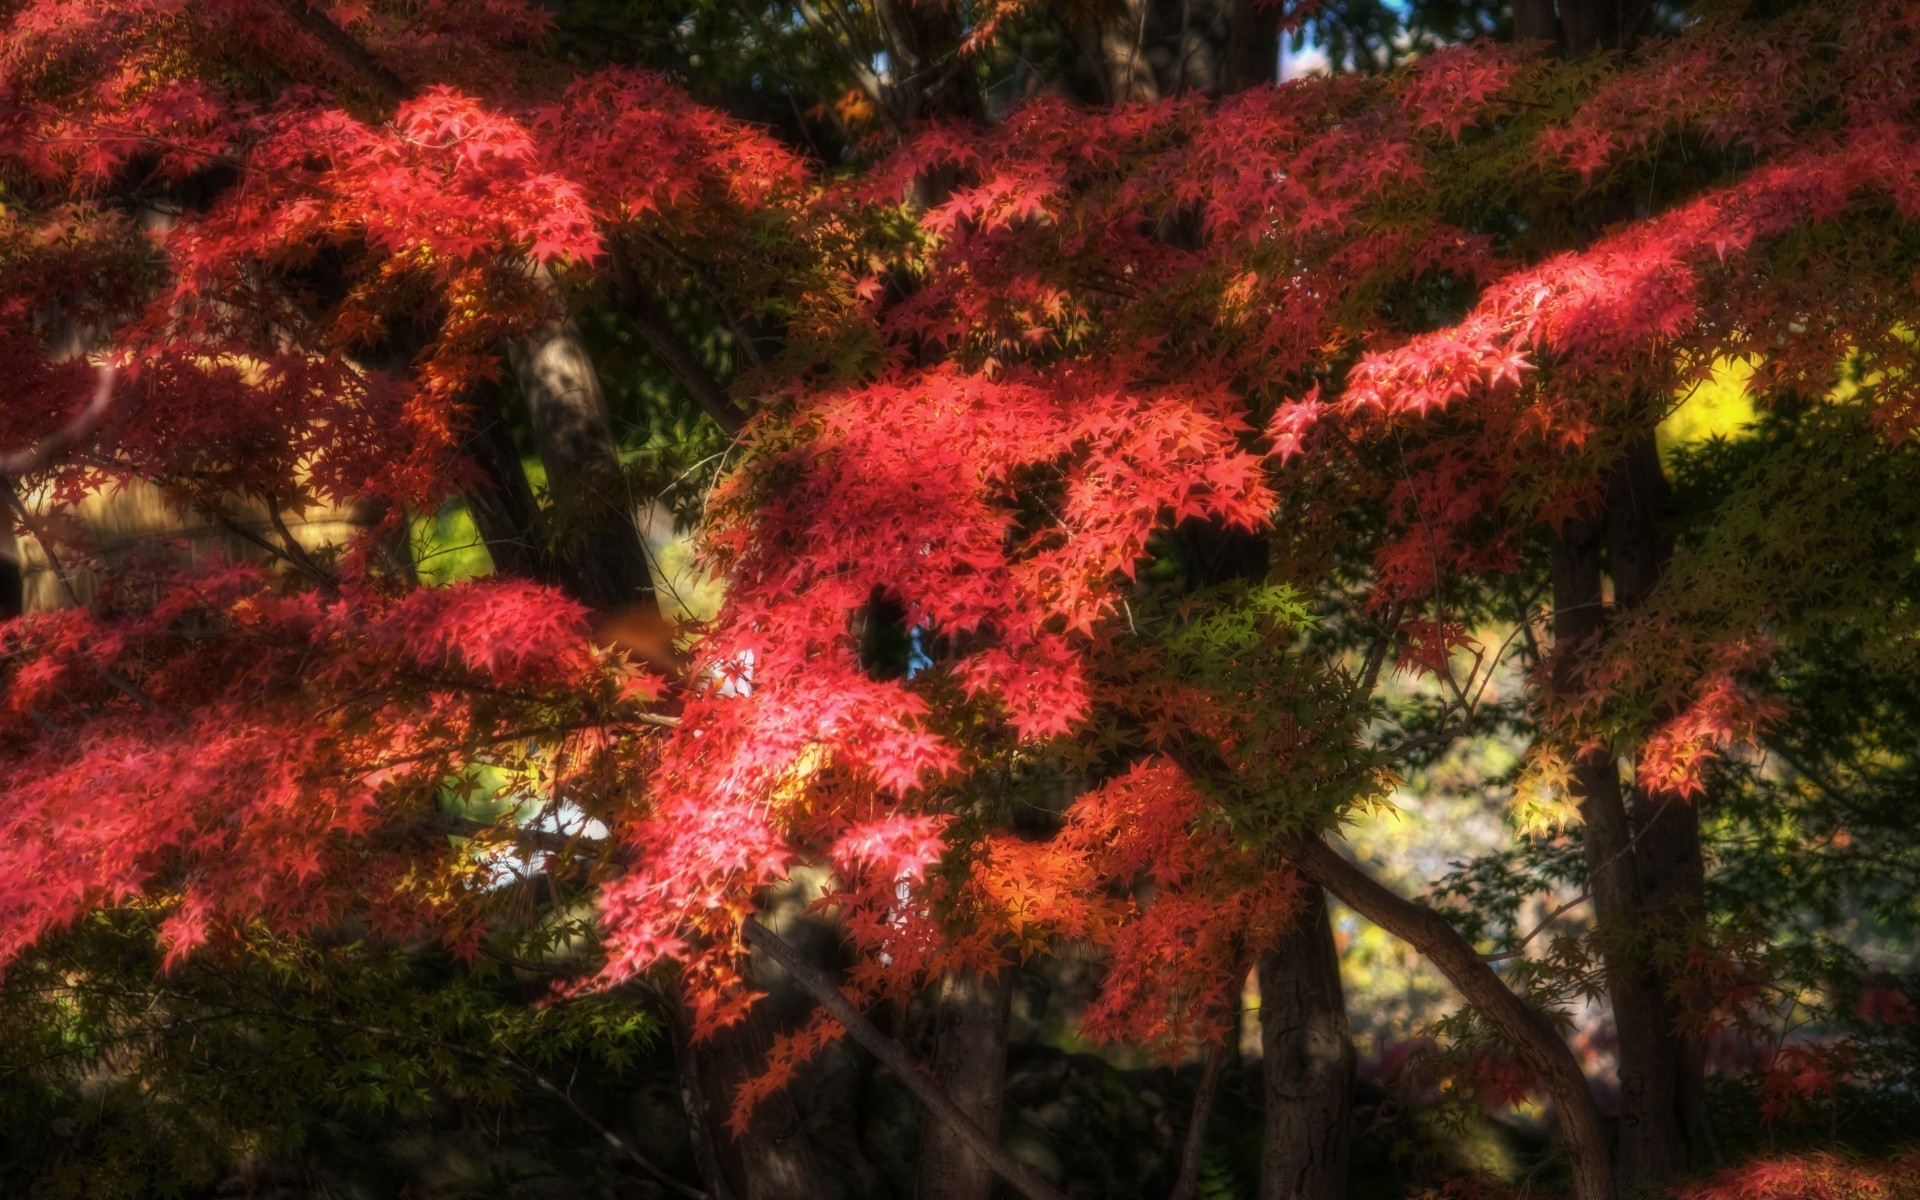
[1306, 1062]
[13, 594]
[1650, 1145]
[971, 1012]
[1531, 1035]
[1188, 1181]
[593, 510]
[1253, 45]
[501, 503]
[772, 1159]
[1667, 853]
[1535, 21]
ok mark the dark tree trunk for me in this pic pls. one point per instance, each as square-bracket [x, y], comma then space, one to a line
[1667, 853]
[929, 76]
[1532, 1036]
[502, 503]
[772, 1159]
[1253, 45]
[1307, 1062]
[970, 1061]
[13, 596]
[1650, 1145]
[593, 512]
[1536, 21]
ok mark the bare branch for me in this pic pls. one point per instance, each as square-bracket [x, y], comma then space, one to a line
[1549, 919]
[1532, 1036]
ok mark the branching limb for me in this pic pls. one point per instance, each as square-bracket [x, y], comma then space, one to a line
[1530, 1034]
[863, 74]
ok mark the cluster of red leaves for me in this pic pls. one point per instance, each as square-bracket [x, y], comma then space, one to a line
[1137, 874]
[1110, 309]
[235, 752]
[1813, 1177]
[917, 488]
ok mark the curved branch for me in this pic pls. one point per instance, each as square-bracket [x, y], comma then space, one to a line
[60, 440]
[1539, 1045]
[816, 984]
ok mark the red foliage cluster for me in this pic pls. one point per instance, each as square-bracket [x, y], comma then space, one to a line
[1118, 322]
[1813, 1177]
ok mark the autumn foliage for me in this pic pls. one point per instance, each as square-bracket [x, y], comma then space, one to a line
[1422, 294]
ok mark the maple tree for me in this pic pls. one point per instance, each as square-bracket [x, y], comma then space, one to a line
[1012, 389]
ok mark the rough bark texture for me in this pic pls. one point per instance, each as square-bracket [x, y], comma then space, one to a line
[1307, 1062]
[593, 512]
[970, 1062]
[1531, 1035]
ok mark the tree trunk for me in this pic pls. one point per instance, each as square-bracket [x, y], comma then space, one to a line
[502, 504]
[1536, 21]
[13, 592]
[1650, 1145]
[772, 1159]
[928, 76]
[1307, 1062]
[970, 1062]
[1531, 1035]
[1667, 853]
[1253, 45]
[593, 512]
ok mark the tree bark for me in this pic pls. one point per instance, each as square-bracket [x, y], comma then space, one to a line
[13, 595]
[1531, 1035]
[1667, 852]
[593, 511]
[772, 1159]
[1536, 21]
[928, 77]
[1649, 1142]
[1253, 45]
[1188, 1181]
[970, 1062]
[502, 504]
[1306, 1062]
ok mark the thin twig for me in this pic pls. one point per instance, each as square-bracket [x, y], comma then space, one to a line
[349, 49]
[1549, 919]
